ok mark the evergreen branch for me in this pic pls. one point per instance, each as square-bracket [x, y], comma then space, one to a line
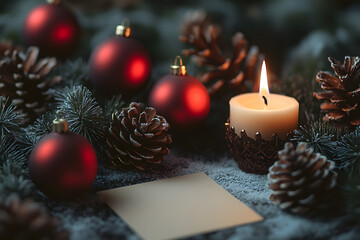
[73, 72]
[115, 103]
[84, 114]
[43, 125]
[349, 152]
[9, 118]
[26, 142]
[322, 137]
[12, 182]
[10, 152]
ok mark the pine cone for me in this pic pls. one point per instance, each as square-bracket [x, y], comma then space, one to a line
[6, 47]
[26, 220]
[301, 179]
[137, 139]
[342, 92]
[25, 81]
[236, 73]
[195, 18]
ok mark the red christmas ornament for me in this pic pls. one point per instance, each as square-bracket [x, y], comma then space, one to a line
[53, 28]
[63, 164]
[181, 98]
[120, 64]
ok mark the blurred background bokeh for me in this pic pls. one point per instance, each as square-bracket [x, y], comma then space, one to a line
[291, 33]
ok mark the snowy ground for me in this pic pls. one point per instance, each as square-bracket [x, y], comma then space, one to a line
[89, 218]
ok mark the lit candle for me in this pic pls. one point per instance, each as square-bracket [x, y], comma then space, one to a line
[264, 112]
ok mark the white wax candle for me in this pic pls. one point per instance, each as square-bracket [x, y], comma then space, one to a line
[249, 112]
[264, 112]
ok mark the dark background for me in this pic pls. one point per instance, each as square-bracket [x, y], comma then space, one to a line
[289, 32]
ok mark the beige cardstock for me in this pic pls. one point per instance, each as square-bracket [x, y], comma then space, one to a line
[178, 207]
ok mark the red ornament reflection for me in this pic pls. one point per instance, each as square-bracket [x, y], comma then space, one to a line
[46, 151]
[63, 33]
[197, 100]
[163, 93]
[105, 56]
[137, 70]
[36, 19]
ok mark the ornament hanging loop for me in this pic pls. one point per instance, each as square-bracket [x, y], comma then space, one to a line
[178, 68]
[124, 29]
[60, 124]
[53, 1]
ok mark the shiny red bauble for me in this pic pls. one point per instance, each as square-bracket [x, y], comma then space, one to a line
[120, 65]
[53, 28]
[63, 165]
[183, 100]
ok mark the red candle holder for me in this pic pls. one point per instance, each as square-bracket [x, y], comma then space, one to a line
[253, 155]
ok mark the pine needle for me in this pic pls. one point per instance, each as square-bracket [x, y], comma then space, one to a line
[322, 137]
[9, 118]
[349, 152]
[84, 114]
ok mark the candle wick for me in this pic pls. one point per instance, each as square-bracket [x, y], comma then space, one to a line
[265, 100]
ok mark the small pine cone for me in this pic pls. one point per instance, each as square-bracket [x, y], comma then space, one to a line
[301, 179]
[25, 81]
[342, 92]
[27, 220]
[137, 139]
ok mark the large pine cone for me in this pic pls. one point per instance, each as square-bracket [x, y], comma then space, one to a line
[342, 92]
[301, 179]
[137, 139]
[25, 81]
[236, 72]
[26, 220]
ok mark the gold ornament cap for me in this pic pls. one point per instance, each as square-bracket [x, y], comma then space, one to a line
[178, 68]
[53, 1]
[124, 29]
[60, 124]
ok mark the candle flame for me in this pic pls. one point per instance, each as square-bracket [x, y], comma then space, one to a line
[264, 88]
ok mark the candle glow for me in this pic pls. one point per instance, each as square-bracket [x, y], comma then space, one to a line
[264, 87]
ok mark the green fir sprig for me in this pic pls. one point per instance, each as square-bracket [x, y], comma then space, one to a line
[43, 125]
[348, 157]
[115, 103]
[73, 72]
[322, 137]
[10, 151]
[12, 181]
[9, 118]
[84, 114]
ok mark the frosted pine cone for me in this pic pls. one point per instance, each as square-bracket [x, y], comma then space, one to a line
[342, 92]
[137, 139]
[24, 80]
[301, 179]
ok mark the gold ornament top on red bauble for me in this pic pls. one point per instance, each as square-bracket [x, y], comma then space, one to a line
[181, 98]
[63, 164]
[121, 64]
[53, 28]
